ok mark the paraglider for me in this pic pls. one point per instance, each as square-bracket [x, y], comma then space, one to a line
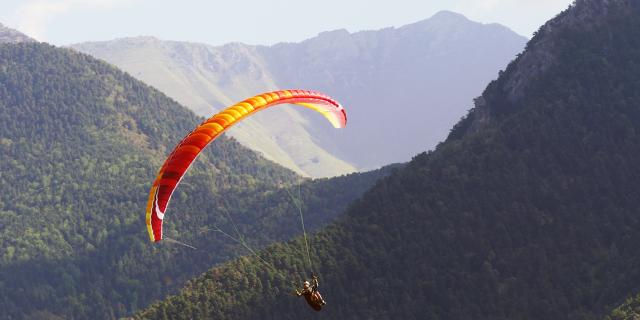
[311, 294]
[181, 158]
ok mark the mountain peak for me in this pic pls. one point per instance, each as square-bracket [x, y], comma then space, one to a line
[8, 35]
[338, 33]
[441, 20]
[138, 39]
[446, 15]
[118, 42]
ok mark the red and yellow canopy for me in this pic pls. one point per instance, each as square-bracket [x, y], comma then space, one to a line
[180, 159]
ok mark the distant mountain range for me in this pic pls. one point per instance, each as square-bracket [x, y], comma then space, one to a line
[529, 209]
[414, 81]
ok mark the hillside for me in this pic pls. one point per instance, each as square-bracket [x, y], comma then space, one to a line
[8, 35]
[207, 79]
[527, 211]
[80, 144]
[442, 62]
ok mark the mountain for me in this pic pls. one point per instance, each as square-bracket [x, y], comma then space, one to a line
[529, 209]
[428, 72]
[8, 35]
[207, 79]
[431, 69]
[80, 144]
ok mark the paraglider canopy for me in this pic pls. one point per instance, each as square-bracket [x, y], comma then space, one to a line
[180, 159]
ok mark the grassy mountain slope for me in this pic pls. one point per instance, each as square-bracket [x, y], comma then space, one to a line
[527, 211]
[80, 143]
[207, 79]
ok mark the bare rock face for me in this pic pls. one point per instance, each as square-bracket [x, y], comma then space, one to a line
[8, 35]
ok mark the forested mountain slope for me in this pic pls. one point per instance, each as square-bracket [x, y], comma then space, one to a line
[80, 144]
[529, 210]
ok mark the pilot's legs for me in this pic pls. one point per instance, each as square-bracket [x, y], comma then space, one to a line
[319, 298]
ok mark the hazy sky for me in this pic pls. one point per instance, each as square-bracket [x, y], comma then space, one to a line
[250, 21]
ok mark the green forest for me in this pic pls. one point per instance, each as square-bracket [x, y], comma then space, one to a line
[529, 210]
[80, 145]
